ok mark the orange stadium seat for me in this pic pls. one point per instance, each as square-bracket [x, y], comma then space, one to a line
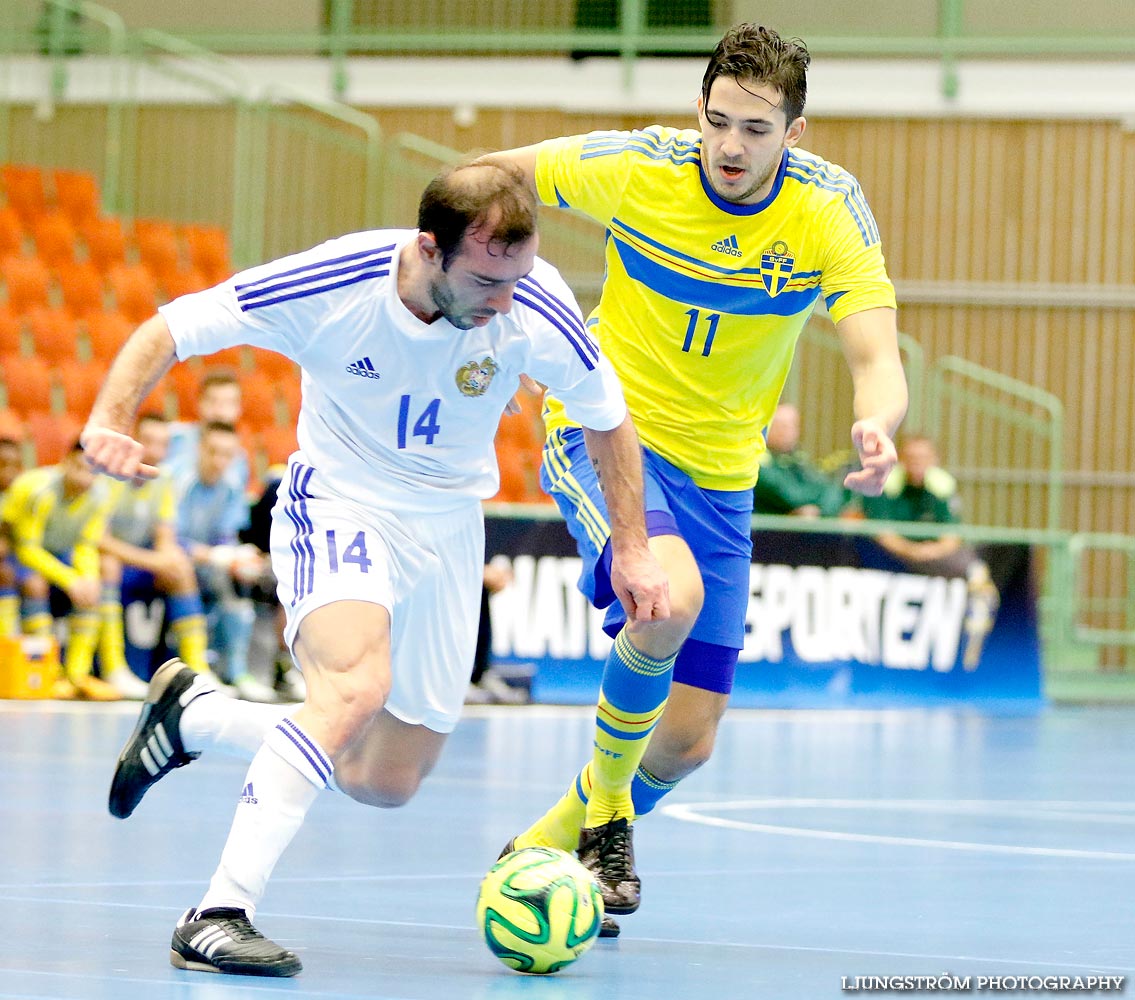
[183, 281]
[80, 383]
[11, 232]
[274, 367]
[257, 401]
[52, 435]
[28, 282]
[12, 426]
[231, 358]
[77, 195]
[55, 239]
[82, 287]
[209, 251]
[106, 333]
[278, 443]
[158, 246]
[28, 383]
[158, 401]
[135, 291]
[291, 395]
[24, 188]
[55, 335]
[11, 332]
[106, 242]
[185, 384]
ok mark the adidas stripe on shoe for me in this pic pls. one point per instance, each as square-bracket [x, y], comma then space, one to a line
[155, 748]
[223, 940]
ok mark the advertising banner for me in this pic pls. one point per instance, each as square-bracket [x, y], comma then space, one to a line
[833, 621]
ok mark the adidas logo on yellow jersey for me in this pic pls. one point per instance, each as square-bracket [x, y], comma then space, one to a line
[727, 245]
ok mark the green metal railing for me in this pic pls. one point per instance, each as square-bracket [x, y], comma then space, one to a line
[943, 31]
[1022, 421]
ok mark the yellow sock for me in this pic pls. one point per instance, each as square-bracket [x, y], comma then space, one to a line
[112, 641]
[9, 615]
[560, 825]
[82, 638]
[631, 700]
[192, 641]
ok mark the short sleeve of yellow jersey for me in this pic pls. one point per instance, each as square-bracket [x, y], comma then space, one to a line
[855, 273]
[598, 189]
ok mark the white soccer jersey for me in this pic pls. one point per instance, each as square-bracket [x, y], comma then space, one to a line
[396, 412]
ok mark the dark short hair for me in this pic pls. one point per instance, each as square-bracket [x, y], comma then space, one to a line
[751, 52]
[217, 376]
[475, 196]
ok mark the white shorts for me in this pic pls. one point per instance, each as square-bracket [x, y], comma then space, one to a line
[425, 569]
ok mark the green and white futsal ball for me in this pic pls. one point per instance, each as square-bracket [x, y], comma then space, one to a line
[539, 909]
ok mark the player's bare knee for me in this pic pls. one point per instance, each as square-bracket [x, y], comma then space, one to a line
[371, 784]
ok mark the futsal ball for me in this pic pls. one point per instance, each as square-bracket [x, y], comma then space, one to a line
[539, 909]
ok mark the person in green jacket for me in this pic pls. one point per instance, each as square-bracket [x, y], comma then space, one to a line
[789, 481]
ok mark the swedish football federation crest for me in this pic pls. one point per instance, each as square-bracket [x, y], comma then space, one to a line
[776, 267]
[474, 378]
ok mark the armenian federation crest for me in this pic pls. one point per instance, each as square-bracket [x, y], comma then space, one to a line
[474, 378]
[776, 267]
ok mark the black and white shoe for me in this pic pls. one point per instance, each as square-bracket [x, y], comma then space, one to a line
[607, 851]
[223, 940]
[155, 748]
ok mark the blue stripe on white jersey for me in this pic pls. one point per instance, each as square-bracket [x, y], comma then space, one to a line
[303, 575]
[311, 279]
[533, 295]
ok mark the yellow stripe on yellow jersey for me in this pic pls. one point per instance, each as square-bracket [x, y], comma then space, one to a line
[45, 528]
[703, 300]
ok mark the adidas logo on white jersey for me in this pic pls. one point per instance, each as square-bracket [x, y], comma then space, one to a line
[363, 367]
[727, 245]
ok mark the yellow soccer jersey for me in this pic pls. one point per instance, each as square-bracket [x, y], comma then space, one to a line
[44, 528]
[139, 509]
[703, 300]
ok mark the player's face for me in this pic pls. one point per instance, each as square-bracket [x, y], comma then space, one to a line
[220, 404]
[77, 476]
[784, 431]
[480, 280]
[918, 457]
[153, 436]
[744, 132]
[218, 449]
[10, 465]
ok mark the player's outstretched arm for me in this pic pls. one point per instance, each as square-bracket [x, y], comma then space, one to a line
[523, 157]
[639, 581]
[145, 357]
[870, 345]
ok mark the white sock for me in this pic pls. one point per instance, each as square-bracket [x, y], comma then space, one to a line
[284, 779]
[239, 728]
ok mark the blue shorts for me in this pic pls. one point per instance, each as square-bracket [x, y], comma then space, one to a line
[715, 524]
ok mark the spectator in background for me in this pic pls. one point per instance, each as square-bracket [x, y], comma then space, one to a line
[141, 557]
[920, 490]
[486, 686]
[268, 627]
[56, 516]
[11, 465]
[789, 482]
[218, 402]
[211, 511]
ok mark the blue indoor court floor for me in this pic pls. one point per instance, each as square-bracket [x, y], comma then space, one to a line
[814, 846]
